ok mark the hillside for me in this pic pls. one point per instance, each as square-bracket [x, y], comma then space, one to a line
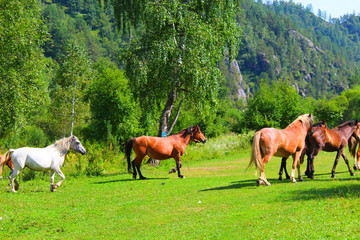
[284, 39]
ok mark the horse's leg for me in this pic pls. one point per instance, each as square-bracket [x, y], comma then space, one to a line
[136, 164]
[14, 173]
[347, 162]
[311, 158]
[335, 163]
[58, 184]
[52, 178]
[356, 163]
[262, 179]
[295, 156]
[299, 172]
[283, 167]
[178, 166]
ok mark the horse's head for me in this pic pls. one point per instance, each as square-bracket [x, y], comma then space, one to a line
[356, 131]
[197, 135]
[76, 145]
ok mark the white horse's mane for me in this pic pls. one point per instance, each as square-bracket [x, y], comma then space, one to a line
[62, 145]
[305, 119]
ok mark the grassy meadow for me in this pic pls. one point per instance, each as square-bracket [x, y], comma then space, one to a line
[216, 200]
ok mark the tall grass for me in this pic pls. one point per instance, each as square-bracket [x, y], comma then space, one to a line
[218, 147]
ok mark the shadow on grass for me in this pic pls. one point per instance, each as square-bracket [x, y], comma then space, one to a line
[128, 180]
[344, 191]
[243, 184]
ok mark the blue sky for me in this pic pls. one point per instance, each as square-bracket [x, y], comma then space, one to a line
[335, 8]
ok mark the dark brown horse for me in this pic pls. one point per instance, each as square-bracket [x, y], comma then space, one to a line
[161, 148]
[270, 142]
[353, 143]
[331, 140]
[304, 151]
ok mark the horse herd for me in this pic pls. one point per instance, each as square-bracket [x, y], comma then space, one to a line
[300, 138]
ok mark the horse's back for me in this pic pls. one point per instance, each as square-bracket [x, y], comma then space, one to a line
[155, 147]
[33, 158]
[281, 142]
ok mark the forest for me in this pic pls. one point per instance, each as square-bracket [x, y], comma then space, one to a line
[107, 71]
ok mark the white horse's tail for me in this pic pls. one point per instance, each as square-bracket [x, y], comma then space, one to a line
[6, 159]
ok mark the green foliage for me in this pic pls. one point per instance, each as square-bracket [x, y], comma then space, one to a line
[114, 112]
[285, 39]
[72, 78]
[331, 111]
[275, 105]
[23, 89]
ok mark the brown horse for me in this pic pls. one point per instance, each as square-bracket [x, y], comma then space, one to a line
[161, 148]
[353, 143]
[304, 151]
[6, 160]
[331, 140]
[270, 142]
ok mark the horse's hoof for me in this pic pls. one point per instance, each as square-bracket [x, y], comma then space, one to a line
[352, 174]
[143, 178]
[333, 176]
[267, 184]
[287, 177]
[293, 180]
[280, 178]
[355, 168]
[301, 179]
[172, 170]
[13, 190]
[52, 187]
[258, 183]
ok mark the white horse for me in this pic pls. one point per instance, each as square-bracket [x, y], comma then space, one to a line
[41, 159]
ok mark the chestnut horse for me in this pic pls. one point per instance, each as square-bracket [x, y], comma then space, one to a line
[353, 143]
[270, 142]
[6, 160]
[331, 140]
[304, 151]
[161, 148]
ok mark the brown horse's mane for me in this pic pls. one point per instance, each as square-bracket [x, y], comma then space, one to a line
[186, 131]
[319, 124]
[347, 123]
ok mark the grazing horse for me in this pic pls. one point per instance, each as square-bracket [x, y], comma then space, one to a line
[304, 151]
[331, 140]
[270, 142]
[161, 148]
[353, 143]
[41, 159]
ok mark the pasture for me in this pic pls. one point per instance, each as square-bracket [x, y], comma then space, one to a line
[216, 200]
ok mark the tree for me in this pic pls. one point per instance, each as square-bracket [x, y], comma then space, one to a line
[22, 65]
[174, 48]
[72, 77]
[275, 105]
[114, 113]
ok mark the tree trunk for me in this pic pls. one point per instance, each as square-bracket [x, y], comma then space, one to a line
[165, 116]
[164, 120]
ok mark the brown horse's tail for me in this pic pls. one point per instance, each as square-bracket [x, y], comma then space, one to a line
[255, 153]
[352, 142]
[128, 148]
[6, 159]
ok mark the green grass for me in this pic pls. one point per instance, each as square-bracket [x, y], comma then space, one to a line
[216, 200]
